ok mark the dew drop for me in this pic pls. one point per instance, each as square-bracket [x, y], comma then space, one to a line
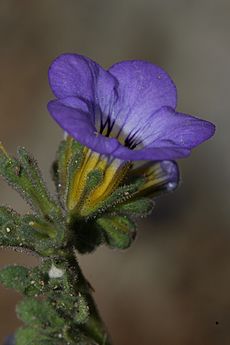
[171, 186]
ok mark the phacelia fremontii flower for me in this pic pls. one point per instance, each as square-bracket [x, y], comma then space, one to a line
[127, 112]
[124, 114]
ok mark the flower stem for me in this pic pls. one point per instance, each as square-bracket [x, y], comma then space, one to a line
[94, 327]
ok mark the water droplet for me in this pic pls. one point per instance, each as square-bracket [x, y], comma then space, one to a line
[171, 186]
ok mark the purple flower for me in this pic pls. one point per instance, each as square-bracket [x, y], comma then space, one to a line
[127, 112]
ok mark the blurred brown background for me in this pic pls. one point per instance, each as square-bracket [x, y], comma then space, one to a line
[173, 285]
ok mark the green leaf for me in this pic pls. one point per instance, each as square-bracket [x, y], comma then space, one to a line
[35, 336]
[30, 282]
[24, 176]
[28, 336]
[81, 313]
[15, 277]
[14, 231]
[40, 196]
[39, 313]
[7, 214]
[73, 307]
[119, 231]
[30, 232]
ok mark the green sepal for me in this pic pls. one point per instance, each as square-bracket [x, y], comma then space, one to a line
[119, 231]
[136, 208]
[55, 177]
[70, 156]
[94, 179]
[119, 196]
[74, 163]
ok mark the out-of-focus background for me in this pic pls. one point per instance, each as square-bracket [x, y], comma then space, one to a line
[173, 285]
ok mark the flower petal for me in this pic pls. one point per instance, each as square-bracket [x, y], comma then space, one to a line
[76, 75]
[133, 102]
[163, 176]
[169, 136]
[73, 116]
[153, 154]
[167, 128]
[143, 88]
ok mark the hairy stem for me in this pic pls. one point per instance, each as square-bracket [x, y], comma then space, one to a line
[94, 327]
